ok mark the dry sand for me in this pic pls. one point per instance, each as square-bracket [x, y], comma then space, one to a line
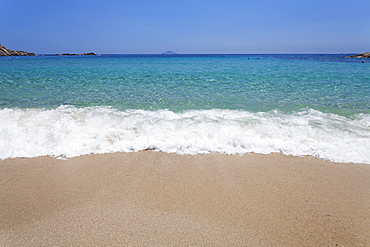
[156, 199]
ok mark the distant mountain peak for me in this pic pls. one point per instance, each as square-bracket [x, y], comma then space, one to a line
[169, 53]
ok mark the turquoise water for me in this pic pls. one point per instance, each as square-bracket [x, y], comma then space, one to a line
[290, 94]
[256, 83]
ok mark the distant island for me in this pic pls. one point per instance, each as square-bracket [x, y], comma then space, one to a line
[362, 55]
[169, 53]
[75, 54]
[6, 52]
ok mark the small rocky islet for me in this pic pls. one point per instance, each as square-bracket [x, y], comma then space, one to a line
[75, 54]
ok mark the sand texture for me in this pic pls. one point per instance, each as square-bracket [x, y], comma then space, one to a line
[157, 199]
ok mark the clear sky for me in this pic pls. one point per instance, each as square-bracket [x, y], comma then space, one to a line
[191, 26]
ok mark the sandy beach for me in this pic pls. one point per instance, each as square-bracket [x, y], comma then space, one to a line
[157, 199]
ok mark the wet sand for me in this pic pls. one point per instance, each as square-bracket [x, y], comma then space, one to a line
[156, 199]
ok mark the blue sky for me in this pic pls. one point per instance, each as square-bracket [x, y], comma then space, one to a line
[192, 26]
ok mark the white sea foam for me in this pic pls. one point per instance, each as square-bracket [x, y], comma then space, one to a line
[69, 131]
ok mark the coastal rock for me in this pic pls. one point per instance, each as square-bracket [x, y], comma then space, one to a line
[6, 52]
[362, 55]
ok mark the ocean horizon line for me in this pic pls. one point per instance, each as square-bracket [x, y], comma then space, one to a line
[179, 54]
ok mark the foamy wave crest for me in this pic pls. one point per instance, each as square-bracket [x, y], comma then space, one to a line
[69, 131]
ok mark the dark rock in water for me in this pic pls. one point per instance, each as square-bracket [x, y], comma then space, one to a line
[69, 54]
[362, 55]
[75, 54]
[6, 52]
[169, 53]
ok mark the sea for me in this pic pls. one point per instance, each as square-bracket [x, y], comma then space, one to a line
[67, 106]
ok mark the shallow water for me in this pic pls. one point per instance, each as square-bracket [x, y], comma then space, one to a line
[296, 104]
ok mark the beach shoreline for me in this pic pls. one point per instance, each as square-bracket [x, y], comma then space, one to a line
[151, 198]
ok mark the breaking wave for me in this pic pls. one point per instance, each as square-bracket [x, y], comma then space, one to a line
[69, 131]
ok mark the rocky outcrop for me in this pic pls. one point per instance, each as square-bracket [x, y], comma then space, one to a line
[75, 54]
[69, 54]
[362, 55]
[6, 52]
